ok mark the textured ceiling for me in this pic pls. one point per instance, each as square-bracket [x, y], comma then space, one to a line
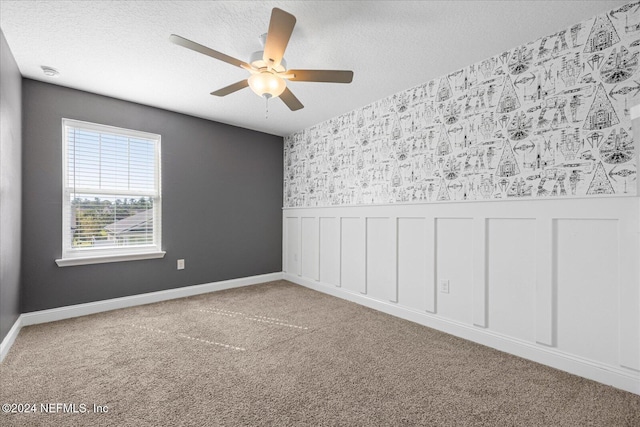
[121, 48]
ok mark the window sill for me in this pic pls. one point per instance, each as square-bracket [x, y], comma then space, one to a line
[69, 262]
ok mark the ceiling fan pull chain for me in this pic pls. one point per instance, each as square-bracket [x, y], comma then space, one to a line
[266, 107]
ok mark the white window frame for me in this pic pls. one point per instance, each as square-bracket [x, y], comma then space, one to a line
[73, 256]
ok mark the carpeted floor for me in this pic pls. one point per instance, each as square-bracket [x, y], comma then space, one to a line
[279, 354]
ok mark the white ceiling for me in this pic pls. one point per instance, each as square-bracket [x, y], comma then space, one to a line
[121, 48]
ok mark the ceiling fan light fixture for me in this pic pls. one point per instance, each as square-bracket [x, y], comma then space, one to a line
[267, 84]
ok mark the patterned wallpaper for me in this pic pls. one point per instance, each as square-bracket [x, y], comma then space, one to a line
[543, 120]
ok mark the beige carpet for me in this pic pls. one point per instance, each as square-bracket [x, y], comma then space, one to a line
[279, 354]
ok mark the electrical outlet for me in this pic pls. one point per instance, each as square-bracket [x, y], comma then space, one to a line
[444, 286]
[180, 264]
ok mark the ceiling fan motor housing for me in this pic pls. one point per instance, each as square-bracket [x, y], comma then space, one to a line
[256, 60]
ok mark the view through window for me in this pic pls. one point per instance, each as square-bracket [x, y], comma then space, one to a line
[112, 190]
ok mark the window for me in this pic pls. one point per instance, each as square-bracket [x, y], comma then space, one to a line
[111, 203]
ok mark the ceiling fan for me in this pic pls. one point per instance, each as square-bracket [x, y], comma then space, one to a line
[268, 68]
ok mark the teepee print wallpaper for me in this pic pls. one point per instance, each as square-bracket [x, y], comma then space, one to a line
[545, 120]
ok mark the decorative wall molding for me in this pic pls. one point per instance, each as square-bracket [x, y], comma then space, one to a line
[548, 119]
[555, 281]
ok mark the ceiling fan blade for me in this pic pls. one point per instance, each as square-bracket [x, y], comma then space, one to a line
[280, 29]
[327, 76]
[231, 88]
[290, 100]
[181, 41]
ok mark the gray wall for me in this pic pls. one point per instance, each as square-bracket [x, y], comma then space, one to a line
[10, 187]
[221, 201]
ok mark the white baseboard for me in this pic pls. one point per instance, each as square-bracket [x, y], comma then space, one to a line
[44, 316]
[51, 315]
[623, 379]
[11, 336]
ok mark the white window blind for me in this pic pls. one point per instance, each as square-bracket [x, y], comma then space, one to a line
[112, 196]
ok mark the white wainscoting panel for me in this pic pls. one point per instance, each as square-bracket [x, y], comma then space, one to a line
[556, 281]
[479, 281]
[512, 277]
[353, 255]
[309, 247]
[415, 269]
[381, 249]
[588, 287]
[292, 244]
[629, 292]
[545, 280]
[454, 263]
[330, 250]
